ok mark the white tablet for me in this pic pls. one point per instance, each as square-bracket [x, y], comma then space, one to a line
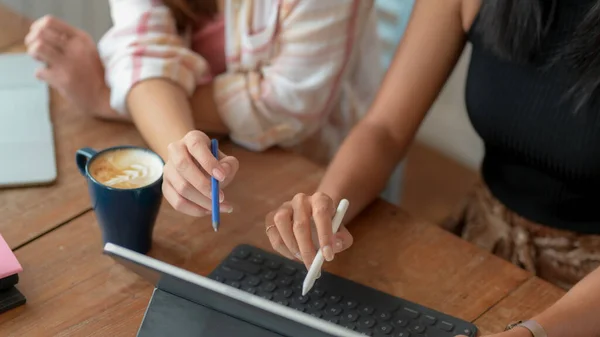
[27, 150]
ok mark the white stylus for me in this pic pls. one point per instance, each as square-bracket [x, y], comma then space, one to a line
[314, 272]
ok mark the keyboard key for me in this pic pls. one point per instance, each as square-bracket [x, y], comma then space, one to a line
[350, 316]
[400, 321]
[219, 278]
[285, 281]
[298, 288]
[435, 332]
[252, 281]
[332, 319]
[234, 284]
[401, 333]
[301, 299]
[446, 326]
[467, 332]
[411, 313]
[383, 316]
[317, 292]
[366, 322]
[250, 290]
[270, 275]
[318, 304]
[230, 274]
[366, 310]
[385, 329]
[301, 275]
[289, 270]
[273, 265]
[282, 301]
[334, 298]
[298, 306]
[257, 260]
[428, 320]
[268, 287]
[349, 325]
[333, 310]
[266, 296]
[316, 314]
[349, 304]
[284, 293]
[244, 267]
[242, 253]
[417, 328]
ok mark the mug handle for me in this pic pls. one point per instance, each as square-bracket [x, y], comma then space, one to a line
[82, 156]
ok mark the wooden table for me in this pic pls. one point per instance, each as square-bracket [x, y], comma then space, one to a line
[74, 290]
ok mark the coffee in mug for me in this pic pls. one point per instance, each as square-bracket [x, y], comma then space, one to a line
[125, 185]
[126, 168]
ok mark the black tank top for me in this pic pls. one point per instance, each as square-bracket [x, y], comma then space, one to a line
[542, 160]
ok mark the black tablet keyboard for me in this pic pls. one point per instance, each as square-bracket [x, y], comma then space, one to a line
[333, 298]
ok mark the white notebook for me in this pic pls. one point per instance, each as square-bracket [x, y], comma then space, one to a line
[27, 152]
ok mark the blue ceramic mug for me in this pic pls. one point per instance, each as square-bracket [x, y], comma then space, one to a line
[125, 186]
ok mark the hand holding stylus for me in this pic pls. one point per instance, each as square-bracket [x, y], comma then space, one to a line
[290, 234]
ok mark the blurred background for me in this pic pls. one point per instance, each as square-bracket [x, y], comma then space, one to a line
[441, 165]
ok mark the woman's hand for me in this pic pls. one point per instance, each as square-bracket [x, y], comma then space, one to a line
[290, 231]
[187, 174]
[72, 64]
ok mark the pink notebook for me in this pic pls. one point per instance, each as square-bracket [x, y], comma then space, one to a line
[8, 262]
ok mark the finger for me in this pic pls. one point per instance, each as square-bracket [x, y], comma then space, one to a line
[43, 74]
[303, 234]
[342, 240]
[60, 26]
[284, 219]
[46, 34]
[230, 165]
[43, 52]
[275, 238]
[187, 168]
[198, 145]
[301, 218]
[185, 189]
[322, 212]
[180, 204]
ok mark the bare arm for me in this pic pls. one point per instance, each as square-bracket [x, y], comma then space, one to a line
[431, 46]
[576, 313]
[163, 114]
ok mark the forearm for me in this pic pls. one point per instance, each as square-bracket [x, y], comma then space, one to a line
[161, 112]
[576, 313]
[361, 168]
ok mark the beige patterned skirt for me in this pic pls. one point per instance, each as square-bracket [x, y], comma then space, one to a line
[558, 256]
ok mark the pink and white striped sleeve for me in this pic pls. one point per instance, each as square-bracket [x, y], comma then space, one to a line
[287, 99]
[142, 44]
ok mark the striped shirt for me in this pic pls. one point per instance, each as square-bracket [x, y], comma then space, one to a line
[299, 73]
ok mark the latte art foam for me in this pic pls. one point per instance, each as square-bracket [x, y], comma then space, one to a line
[127, 168]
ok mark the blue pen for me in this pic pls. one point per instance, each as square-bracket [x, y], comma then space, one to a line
[214, 147]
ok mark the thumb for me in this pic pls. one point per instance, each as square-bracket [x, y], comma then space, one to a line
[342, 240]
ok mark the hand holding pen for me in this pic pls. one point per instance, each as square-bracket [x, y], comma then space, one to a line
[290, 234]
[189, 171]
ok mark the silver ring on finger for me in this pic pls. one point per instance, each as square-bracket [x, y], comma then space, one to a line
[268, 227]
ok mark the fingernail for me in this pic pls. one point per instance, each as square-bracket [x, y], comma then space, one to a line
[328, 253]
[338, 245]
[218, 174]
[221, 196]
[224, 208]
[298, 256]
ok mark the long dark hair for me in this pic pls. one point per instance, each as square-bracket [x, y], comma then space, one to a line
[515, 29]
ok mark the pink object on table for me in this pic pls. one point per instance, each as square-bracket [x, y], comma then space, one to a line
[8, 261]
